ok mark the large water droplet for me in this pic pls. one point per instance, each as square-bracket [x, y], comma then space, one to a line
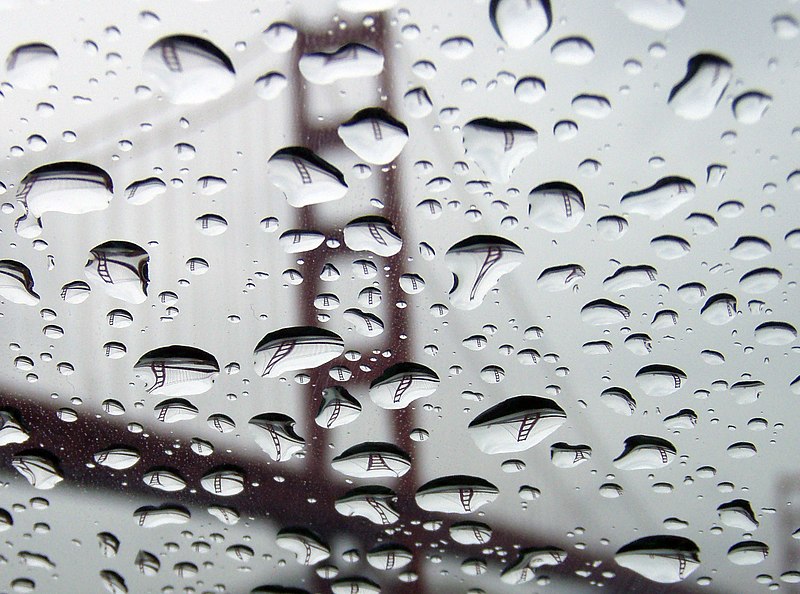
[120, 269]
[516, 424]
[177, 371]
[31, 66]
[497, 147]
[305, 178]
[402, 384]
[659, 15]
[477, 264]
[295, 348]
[372, 460]
[456, 494]
[275, 434]
[660, 199]
[696, 96]
[16, 283]
[663, 559]
[307, 547]
[645, 452]
[520, 22]
[189, 70]
[353, 60]
[374, 135]
[557, 207]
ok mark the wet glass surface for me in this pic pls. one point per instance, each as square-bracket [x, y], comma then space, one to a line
[350, 296]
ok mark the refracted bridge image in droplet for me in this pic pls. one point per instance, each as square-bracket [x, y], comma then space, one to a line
[520, 22]
[559, 278]
[645, 452]
[498, 147]
[375, 503]
[660, 199]
[719, 309]
[516, 424]
[457, 494]
[477, 264]
[402, 384]
[523, 570]
[189, 70]
[150, 516]
[295, 348]
[660, 380]
[304, 177]
[353, 60]
[372, 234]
[308, 548]
[120, 269]
[143, 191]
[38, 467]
[177, 370]
[67, 187]
[696, 96]
[16, 283]
[338, 407]
[11, 429]
[557, 207]
[274, 433]
[602, 312]
[748, 552]
[374, 135]
[663, 559]
[630, 277]
[372, 460]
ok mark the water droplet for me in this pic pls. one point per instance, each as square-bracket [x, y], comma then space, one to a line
[775, 333]
[189, 70]
[31, 66]
[602, 312]
[749, 552]
[592, 106]
[374, 503]
[663, 559]
[293, 349]
[117, 458]
[530, 560]
[175, 410]
[177, 370]
[530, 89]
[557, 207]
[16, 283]
[456, 494]
[353, 60]
[270, 85]
[520, 22]
[373, 234]
[304, 178]
[275, 434]
[660, 199]
[477, 264]
[372, 460]
[516, 424]
[659, 15]
[120, 269]
[574, 51]
[749, 108]
[401, 384]
[696, 96]
[39, 468]
[498, 147]
[307, 547]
